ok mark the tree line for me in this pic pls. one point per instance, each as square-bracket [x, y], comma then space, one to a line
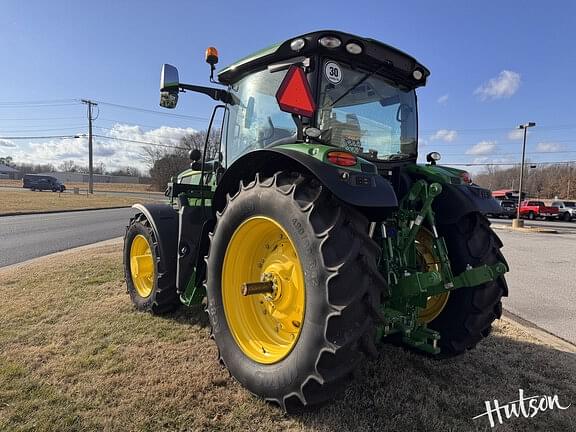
[166, 163]
[69, 166]
[540, 181]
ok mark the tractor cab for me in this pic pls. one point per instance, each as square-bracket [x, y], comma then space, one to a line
[328, 88]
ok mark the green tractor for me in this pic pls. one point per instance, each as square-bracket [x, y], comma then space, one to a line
[310, 233]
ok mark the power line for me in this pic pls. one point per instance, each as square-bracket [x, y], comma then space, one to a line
[430, 132]
[131, 123]
[142, 142]
[37, 106]
[40, 102]
[42, 130]
[37, 137]
[509, 164]
[40, 118]
[152, 111]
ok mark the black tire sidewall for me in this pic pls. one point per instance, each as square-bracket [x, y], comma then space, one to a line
[270, 380]
[142, 303]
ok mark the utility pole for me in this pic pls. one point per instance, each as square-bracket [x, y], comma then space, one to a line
[518, 223]
[90, 167]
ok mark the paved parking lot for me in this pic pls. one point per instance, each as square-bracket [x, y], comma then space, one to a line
[541, 279]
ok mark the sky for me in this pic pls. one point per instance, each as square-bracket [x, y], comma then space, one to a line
[494, 65]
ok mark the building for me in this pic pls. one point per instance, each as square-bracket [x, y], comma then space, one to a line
[7, 172]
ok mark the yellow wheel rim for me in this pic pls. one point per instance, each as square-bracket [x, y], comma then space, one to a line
[424, 249]
[142, 266]
[265, 326]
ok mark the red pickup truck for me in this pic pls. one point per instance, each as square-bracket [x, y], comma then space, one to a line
[535, 209]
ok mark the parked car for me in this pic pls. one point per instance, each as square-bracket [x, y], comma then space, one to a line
[536, 209]
[42, 182]
[566, 209]
[507, 209]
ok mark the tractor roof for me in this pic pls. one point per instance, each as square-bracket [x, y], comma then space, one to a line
[374, 55]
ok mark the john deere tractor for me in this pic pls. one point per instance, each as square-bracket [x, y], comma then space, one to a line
[310, 233]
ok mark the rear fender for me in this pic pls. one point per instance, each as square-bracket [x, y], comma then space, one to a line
[369, 192]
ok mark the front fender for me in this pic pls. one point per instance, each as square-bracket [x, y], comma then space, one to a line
[164, 221]
[366, 190]
[456, 201]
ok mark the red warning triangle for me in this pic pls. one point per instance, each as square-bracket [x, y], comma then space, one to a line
[294, 95]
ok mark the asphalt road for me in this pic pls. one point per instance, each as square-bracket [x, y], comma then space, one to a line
[541, 279]
[30, 236]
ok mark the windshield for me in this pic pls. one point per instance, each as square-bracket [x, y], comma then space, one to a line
[255, 120]
[570, 203]
[366, 114]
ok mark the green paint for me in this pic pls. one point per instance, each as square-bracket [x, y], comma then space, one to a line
[194, 292]
[261, 53]
[436, 173]
[409, 287]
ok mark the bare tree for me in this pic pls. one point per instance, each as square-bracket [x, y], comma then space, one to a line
[542, 181]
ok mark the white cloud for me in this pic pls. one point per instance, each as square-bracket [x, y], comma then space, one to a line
[517, 134]
[444, 135]
[482, 148]
[7, 143]
[548, 147]
[504, 85]
[422, 142]
[442, 99]
[113, 153]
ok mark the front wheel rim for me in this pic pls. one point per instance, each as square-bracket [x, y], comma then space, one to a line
[265, 326]
[142, 266]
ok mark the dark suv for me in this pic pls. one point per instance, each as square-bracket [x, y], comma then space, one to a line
[508, 209]
[42, 182]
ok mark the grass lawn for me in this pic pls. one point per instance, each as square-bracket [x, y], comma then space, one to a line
[75, 355]
[24, 201]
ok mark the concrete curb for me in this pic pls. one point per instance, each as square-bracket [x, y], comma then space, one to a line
[539, 333]
[526, 229]
[61, 211]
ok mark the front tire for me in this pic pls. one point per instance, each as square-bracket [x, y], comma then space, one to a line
[470, 311]
[151, 282]
[330, 274]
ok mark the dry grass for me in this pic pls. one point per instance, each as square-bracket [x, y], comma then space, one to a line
[75, 355]
[24, 201]
[105, 187]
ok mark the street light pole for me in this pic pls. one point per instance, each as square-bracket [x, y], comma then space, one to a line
[518, 223]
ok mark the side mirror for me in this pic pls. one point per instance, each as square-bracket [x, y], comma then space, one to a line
[169, 86]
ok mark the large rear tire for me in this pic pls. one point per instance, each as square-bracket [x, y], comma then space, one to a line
[151, 281]
[327, 266]
[470, 312]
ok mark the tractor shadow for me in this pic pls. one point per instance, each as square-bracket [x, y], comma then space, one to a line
[404, 391]
[193, 315]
